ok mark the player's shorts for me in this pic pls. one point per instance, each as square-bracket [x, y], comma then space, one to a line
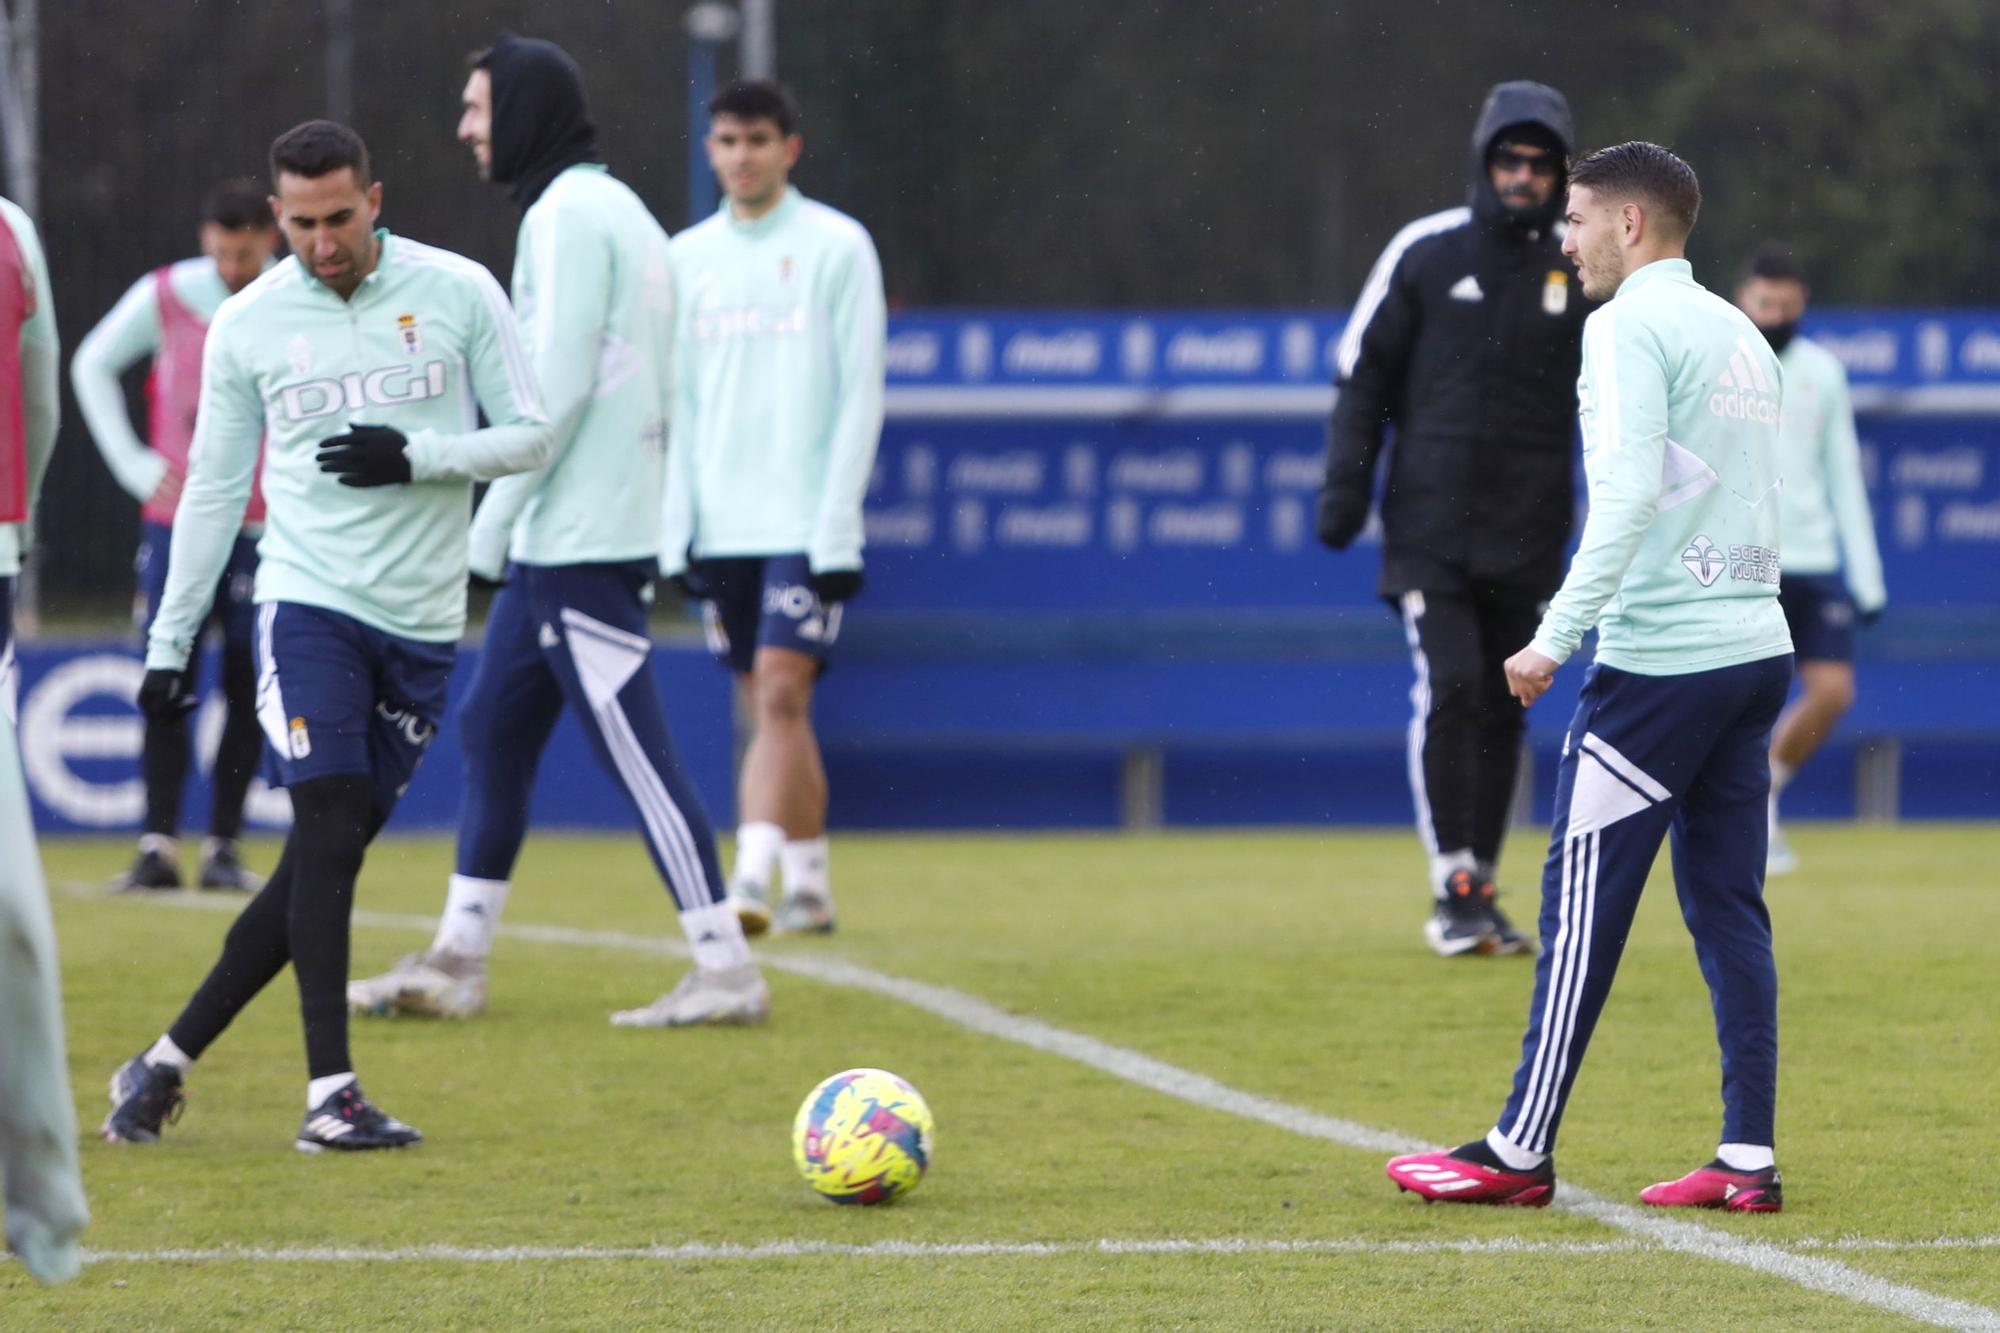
[765, 601]
[1821, 615]
[335, 696]
[231, 610]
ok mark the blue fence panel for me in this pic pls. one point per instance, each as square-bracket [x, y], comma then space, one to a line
[1090, 535]
[80, 738]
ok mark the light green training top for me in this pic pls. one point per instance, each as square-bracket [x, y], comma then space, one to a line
[125, 336]
[594, 289]
[426, 339]
[1678, 565]
[41, 404]
[783, 333]
[1826, 500]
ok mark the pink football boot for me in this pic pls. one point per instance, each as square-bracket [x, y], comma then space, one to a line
[1717, 1186]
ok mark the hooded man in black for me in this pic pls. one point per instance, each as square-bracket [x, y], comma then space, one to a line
[1467, 340]
[541, 126]
[575, 548]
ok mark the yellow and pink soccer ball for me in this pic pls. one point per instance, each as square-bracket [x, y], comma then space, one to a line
[863, 1136]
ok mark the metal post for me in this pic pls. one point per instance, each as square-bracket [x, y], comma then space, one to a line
[759, 52]
[1878, 780]
[709, 25]
[340, 60]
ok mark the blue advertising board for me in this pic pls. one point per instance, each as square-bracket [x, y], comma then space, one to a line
[80, 736]
[1090, 536]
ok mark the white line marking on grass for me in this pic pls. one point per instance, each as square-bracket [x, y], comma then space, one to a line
[699, 1252]
[977, 1015]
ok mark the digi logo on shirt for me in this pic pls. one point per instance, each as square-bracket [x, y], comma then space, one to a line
[386, 387]
[716, 326]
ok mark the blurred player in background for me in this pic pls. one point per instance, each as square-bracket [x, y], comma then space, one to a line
[165, 316]
[44, 1202]
[594, 286]
[1828, 529]
[781, 354]
[29, 409]
[363, 358]
[1678, 571]
[1465, 342]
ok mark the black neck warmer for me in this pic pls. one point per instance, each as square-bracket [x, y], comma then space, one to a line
[541, 124]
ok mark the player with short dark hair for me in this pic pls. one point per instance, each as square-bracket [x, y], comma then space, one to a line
[1464, 341]
[780, 356]
[364, 358]
[1678, 571]
[757, 100]
[164, 317]
[579, 544]
[1828, 529]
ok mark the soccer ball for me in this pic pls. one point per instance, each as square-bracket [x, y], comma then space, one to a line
[863, 1136]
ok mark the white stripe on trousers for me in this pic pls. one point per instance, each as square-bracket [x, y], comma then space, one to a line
[1567, 977]
[1420, 703]
[664, 821]
[270, 697]
[666, 828]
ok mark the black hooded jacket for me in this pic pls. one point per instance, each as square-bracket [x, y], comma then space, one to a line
[1467, 341]
[541, 124]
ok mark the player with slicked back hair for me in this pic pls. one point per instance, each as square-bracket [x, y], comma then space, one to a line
[1678, 571]
[361, 364]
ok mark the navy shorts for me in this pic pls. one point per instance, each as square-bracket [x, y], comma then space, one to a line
[1821, 615]
[232, 609]
[765, 601]
[335, 696]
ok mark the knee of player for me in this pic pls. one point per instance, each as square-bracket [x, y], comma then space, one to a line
[1833, 692]
[781, 699]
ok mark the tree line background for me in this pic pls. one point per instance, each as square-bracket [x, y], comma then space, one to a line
[1232, 153]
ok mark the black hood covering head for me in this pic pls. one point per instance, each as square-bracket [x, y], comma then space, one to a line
[541, 123]
[1509, 106]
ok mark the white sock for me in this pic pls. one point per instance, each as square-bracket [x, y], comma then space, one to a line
[1443, 864]
[1746, 1156]
[715, 934]
[164, 1052]
[319, 1089]
[472, 909]
[757, 846]
[210, 846]
[1516, 1158]
[805, 867]
[1487, 870]
[164, 844]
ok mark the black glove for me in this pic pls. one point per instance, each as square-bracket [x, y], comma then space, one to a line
[1339, 517]
[166, 695]
[366, 456]
[835, 585]
[1867, 619]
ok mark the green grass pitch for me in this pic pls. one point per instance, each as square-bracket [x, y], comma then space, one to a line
[1285, 965]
